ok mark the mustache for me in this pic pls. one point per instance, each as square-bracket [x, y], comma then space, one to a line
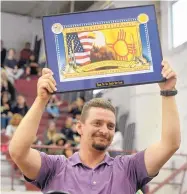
[102, 136]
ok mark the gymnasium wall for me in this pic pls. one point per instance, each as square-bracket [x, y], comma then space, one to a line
[16, 30]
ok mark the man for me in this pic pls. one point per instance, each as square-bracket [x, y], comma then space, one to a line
[11, 67]
[91, 170]
[25, 55]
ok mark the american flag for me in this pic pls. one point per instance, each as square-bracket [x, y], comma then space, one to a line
[79, 47]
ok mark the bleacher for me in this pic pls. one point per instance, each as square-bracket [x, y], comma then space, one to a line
[28, 90]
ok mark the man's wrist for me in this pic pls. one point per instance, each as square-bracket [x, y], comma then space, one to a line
[167, 93]
[41, 101]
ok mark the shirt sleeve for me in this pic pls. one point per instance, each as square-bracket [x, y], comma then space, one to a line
[48, 169]
[136, 170]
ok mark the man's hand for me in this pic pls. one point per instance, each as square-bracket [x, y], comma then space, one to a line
[170, 75]
[46, 85]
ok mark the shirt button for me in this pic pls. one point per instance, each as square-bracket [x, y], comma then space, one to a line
[94, 183]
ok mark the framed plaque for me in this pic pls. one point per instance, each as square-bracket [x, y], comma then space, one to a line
[103, 49]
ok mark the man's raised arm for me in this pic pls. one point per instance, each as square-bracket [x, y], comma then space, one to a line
[159, 153]
[28, 159]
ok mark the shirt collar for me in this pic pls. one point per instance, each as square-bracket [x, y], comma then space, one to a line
[75, 159]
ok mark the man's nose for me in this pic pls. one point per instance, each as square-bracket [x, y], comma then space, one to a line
[104, 129]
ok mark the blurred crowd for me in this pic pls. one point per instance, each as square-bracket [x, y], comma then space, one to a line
[13, 105]
[23, 65]
[67, 135]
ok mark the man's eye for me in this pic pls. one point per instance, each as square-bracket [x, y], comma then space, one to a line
[97, 124]
[111, 126]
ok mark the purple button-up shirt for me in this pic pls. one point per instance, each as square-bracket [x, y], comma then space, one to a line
[119, 175]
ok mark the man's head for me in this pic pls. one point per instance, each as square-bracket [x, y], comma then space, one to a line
[27, 45]
[5, 97]
[52, 126]
[11, 53]
[21, 100]
[97, 124]
[80, 102]
[68, 122]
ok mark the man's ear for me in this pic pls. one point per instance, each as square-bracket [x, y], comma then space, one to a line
[79, 127]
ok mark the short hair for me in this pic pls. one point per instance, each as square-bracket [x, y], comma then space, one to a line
[97, 103]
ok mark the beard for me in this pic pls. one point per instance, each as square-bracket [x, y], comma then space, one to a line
[101, 146]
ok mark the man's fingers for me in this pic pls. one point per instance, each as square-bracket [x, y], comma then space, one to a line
[47, 81]
[49, 76]
[46, 71]
[171, 75]
[52, 85]
[47, 86]
[50, 90]
[166, 72]
[53, 80]
[165, 65]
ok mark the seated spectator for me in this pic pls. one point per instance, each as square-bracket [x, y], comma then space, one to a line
[80, 102]
[68, 152]
[13, 124]
[3, 54]
[5, 110]
[53, 106]
[6, 86]
[50, 133]
[76, 136]
[21, 106]
[67, 129]
[11, 67]
[32, 67]
[59, 140]
[78, 116]
[72, 107]
[76, 107]
[25, 54]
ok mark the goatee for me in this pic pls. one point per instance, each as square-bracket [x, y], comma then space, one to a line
[99, 147]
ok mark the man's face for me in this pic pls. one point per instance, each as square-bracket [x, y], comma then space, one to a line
[52, 126]
[27, 45]
[11, 53]
[20, 100]
[99, 128]
[69, 122]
